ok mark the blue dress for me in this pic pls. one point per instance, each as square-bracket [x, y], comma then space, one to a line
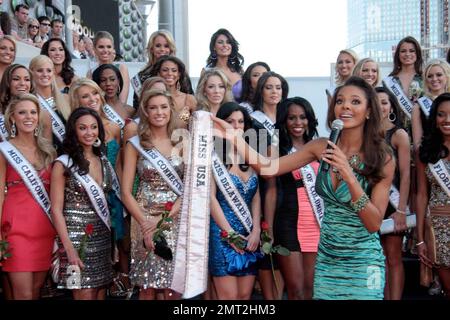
[220, 252]
[350, 260]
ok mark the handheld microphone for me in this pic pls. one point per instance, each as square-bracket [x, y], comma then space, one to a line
[336, 127]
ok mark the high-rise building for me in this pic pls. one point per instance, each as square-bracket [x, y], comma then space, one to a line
[376, 26]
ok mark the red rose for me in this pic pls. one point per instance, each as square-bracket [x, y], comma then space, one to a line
[168, 206]
[224, 234]
[6, 227]
[89, 229]
[265, 226]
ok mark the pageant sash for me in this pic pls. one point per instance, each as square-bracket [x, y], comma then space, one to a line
[115, 185]
[394, 198]
[441, 175]
[425, 104]
[309, 180]
[58, 127]
[191, 260]
[265, 121]
[3, 132]
[94, 191]
[231, 194]
[161, 164]
[394, 87]
[28, 174]
[137, 84]
[113, 115]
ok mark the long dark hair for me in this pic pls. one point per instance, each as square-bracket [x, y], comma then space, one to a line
[224, 112]
[419, 60]
[96, 75]
[374, 148]
[258, 99]
[247, 90]
[282, 115]
[5, 85]
[67, 71]
[183, 81]
[432, 148]
[399, 114]
[71, 146]
[235, 60]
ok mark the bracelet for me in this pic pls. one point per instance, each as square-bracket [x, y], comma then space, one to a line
[420, 243]
[361, 203]
[400, 211]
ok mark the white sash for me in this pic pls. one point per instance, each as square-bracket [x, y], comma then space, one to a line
[309, 180]
[160, 163]
[425, 104]
[113, 115]
[28, 174]
[57, 126]
[231, 194]
[396, 89]
[137, 85]
[93, 190]
[441, 175]
[394, 198]
[191, 260]
[264, 120]
[3, 132]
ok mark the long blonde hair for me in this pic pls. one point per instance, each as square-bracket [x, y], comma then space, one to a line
[360, 65]
[45, 148]
[436, 63]
[144, 130]
[151, 41]
[202, 100]
[337, 77]
[73, 94]
[60, 103]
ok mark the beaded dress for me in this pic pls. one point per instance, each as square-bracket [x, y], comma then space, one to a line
[78, 213]
[147, 269]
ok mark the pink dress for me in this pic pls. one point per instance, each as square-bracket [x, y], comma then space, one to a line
[25, 226]
[308, 230]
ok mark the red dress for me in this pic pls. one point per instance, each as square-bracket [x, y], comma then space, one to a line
[31, 234]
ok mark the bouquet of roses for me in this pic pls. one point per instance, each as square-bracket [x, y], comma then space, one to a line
[87, 233]
[268, 248]
[4, 244]
[161, 247]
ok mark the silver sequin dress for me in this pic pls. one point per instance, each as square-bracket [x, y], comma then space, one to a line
[78, 213]
[147, 269]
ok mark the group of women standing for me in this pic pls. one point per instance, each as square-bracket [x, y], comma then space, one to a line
[83, 181]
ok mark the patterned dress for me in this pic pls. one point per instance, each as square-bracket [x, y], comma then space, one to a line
[147, 269]
[350, 260]
[78, 213]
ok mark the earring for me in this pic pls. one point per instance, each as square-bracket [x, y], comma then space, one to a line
[367, 117]
[390, 118]
[36, 131]
[214, 56]
[97, 143]
[13, 130]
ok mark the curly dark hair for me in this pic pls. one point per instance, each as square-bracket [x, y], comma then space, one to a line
[247, 90]
[235, 60]
[374, 148]
[67, 71]
[282, 115]
[96, 75]
[223, 113]
[432, 148]
[185, 85]
[71, 145]
[258, 99]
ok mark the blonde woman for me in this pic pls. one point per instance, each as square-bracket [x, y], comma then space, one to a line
[345, 62]
[24, 222]
[369, 70]
[213, 90]
[50, 98]
[436, 77]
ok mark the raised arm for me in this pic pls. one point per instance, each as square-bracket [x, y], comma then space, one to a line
[126, 83]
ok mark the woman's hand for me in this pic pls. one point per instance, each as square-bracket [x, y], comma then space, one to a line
[148, 240]
[74, 258]
[336, 158]
[253, 240]
[224, 130]
[423, 255]
[399, 221]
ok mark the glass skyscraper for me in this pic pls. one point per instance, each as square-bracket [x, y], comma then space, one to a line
[376, 26]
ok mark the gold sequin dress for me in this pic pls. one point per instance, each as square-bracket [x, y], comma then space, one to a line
[147, 269]
[78, 213]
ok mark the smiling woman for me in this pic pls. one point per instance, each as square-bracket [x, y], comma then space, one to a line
[7, 53]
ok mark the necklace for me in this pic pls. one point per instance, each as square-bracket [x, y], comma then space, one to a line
[354, 161]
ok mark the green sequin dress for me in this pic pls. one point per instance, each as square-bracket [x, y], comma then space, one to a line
[350, 260]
